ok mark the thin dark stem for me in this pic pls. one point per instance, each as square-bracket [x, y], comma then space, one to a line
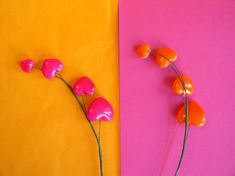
[91, 125]
[186, 132]
[99, 130]
[84, 105]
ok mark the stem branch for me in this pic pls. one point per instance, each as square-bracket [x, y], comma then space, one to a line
[91, 125]
[186, 132]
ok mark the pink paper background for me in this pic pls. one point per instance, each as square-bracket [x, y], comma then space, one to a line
[203, 34]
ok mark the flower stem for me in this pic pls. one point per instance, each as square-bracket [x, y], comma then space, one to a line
[99, 130]
[91, 125]
[186, 132]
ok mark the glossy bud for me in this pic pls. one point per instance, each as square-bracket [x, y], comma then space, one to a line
[179, 89]
[143, 50]
[51, 67]
[100, 109]
[164, 56]
[84, 86]
[197, 116]
[27, 65]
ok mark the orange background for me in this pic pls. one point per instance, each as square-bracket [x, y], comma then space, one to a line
[42, 130]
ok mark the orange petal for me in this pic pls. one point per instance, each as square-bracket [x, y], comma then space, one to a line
[143, 50]
[178, 88]
[197, 116]
[164, 55]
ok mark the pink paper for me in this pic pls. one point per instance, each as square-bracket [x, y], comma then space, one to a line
[203, 34]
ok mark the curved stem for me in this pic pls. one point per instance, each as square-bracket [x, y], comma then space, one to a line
[91, 125]
[186, 132]
[99, 130]
[83, 103]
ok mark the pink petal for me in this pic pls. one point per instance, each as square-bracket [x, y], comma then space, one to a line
[51, 67]
[100, 109]
[84, 86]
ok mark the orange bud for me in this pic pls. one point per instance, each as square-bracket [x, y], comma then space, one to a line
[143, 50]
[179, 89]
[164, 55]
[197, 116]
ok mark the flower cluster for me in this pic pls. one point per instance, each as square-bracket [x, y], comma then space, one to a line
[99, 109]
[191, 113]
[182, 85]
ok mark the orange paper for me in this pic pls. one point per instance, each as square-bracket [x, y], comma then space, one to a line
[42, 130]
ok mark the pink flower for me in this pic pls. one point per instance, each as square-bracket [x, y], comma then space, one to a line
[84, 86]
[27, 65]
[100, 109]
[51, 67]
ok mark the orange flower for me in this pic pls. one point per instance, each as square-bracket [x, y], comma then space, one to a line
[143, 50]
[197, 116]
[164, 55]
[179, 89]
